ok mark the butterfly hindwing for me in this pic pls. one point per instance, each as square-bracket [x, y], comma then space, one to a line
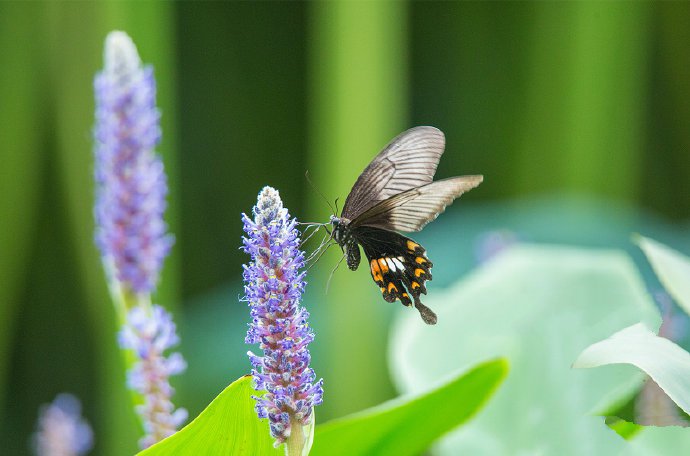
[398, 265]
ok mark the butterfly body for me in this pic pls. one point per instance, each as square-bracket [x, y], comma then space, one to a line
[396, 192]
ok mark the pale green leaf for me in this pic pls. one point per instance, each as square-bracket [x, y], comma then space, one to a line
[659, 441]
[667, 363]
[672, 268]
[409, 425]
[539, 306]
[229, 425]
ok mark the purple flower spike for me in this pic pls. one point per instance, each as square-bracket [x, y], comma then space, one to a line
[61, 429]
[148, 333]
[273, 288]
[131, 183]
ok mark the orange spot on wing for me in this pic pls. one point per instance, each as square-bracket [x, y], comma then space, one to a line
[418, 272]
[420, 260]
[415, 285]
[383, 290]
[391, 286]
[412, 245]
[376, 271]
[405, 295]
[384, 266]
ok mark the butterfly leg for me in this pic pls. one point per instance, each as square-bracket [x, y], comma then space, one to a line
[328, 283]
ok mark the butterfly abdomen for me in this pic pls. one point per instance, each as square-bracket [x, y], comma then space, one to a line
[353, 254]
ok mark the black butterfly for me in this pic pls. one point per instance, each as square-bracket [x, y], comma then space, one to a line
[396, 192]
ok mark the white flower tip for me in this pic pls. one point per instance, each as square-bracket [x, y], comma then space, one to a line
[269, 206]
[121, 56]
[269, 196]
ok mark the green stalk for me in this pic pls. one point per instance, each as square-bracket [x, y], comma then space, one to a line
[358, 90]
[583, 127]
[21, 127]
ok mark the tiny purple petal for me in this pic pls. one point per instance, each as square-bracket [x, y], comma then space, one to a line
[273, 288]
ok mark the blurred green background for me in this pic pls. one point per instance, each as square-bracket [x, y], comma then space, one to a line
[577, 114]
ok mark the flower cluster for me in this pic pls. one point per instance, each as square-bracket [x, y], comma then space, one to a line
[273, 289]
[131, 183]
[130, 231]
[148, 333]
[61, 429]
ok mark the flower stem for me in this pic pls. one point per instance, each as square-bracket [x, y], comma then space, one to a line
[294, 445]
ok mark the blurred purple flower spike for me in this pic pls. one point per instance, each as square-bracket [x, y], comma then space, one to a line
[148, 333]
[131, 182]
[130, 231]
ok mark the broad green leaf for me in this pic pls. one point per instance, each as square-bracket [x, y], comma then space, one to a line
[229, 425]
[660, 441]
[539, 306]
[672, 268]
[409, 425]
[667, 363]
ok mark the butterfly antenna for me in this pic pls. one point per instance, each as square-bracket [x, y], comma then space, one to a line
[336, 207]
[306, 174]
[311, 223]
[328, 282]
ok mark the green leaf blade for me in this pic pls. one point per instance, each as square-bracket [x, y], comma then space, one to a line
[667, 363]
[229, 425]
[410, 425]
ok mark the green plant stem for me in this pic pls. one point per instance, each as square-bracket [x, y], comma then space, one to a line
[124, 300]
[295, 443]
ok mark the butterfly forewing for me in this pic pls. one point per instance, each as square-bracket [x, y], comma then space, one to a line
[408, 161]
[411, 210]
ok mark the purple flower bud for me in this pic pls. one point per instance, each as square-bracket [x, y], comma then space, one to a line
[131, 183]
[273, 289]
[61, 429]
[148, 333]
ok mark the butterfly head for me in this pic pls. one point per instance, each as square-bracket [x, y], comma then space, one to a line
[340, 229]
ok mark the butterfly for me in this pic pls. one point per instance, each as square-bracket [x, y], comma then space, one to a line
[396, 192]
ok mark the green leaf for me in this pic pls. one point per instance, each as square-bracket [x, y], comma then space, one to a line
[409, 425]
[667, 363]
[672, 268]
[229, 425]
[624, 428]
[539, 306]
[659, 441]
